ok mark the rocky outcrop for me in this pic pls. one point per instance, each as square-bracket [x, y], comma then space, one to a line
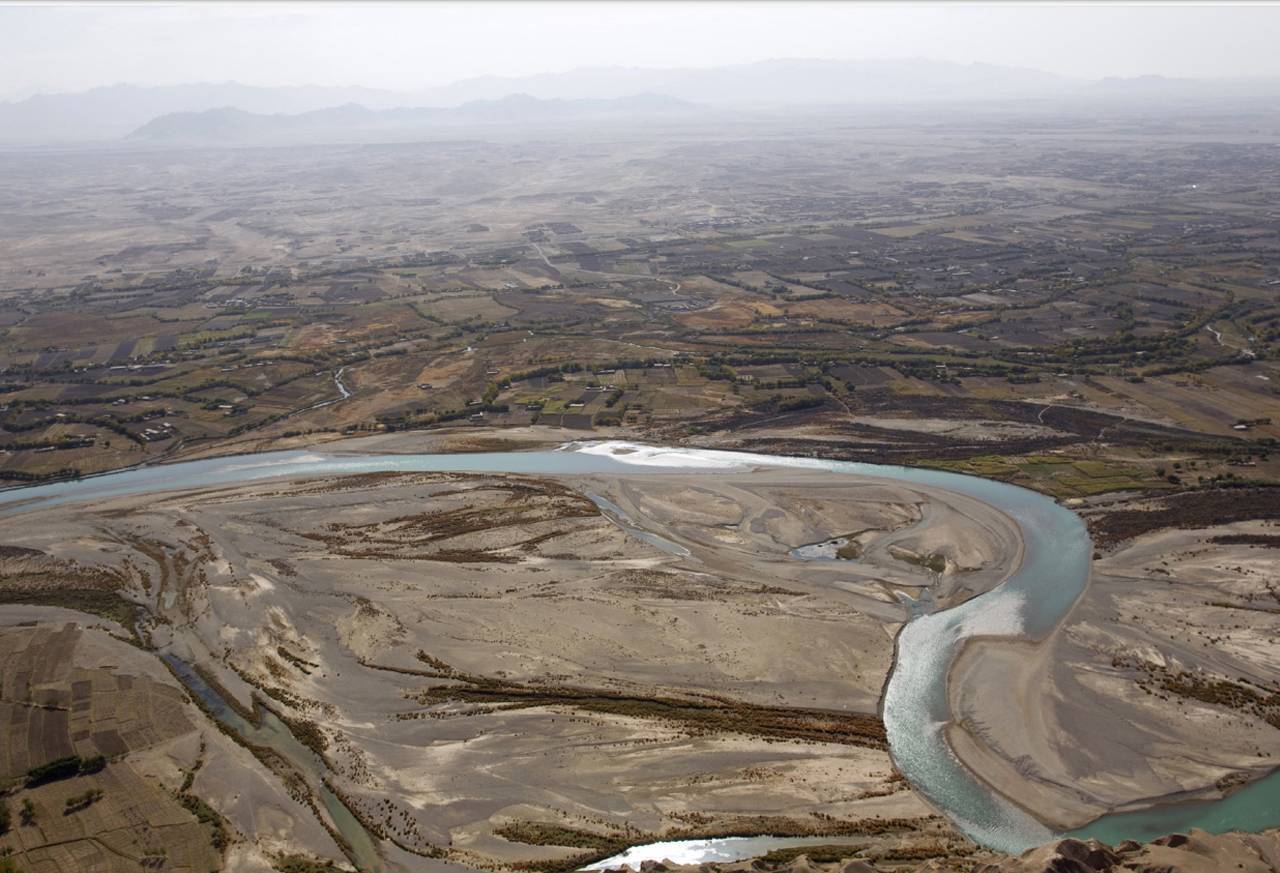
[1064, 856]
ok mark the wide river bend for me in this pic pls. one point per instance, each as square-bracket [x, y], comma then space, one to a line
[1029, 604]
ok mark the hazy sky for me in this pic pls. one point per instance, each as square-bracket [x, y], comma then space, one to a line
[412, 45]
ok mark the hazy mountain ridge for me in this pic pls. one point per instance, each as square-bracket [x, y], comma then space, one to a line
[229, 124]
[1167, 88]
[784, 81]
[114, 112]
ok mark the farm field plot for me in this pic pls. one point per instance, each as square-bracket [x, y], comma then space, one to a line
[78, 724]
[130, 825]
[53, 709]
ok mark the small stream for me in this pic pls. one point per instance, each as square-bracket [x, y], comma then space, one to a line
[274, 734]
[615, 514]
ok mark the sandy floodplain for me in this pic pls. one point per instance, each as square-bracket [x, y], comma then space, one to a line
[1173, 642]
[502, 669]
[477, 657]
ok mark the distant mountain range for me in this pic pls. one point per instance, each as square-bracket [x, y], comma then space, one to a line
[115, 112]
[230, 125]
[1163, 87]
[777, 82]
[110, 113]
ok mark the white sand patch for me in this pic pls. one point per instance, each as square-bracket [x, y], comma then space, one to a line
[263, 584]
[659, 456]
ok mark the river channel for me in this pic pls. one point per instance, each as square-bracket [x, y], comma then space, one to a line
[1029, 604]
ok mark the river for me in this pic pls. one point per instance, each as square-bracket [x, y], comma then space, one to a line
[1030, 603]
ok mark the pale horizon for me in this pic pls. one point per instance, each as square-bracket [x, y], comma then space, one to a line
[407, 47]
